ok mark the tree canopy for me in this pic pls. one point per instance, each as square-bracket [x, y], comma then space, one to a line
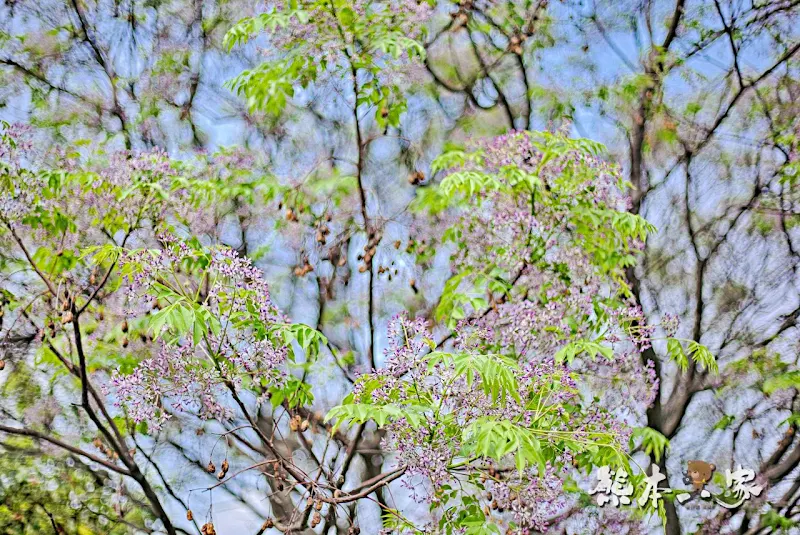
[342, 266]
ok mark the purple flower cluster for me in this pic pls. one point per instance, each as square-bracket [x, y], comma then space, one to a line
[552, 239]
[414, 377]
[532, 500]
[171, 381]
[18, 198]
[233, 294]
[321, 32]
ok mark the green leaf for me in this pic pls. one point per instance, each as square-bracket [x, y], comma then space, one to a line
[498, 374]
[782, 382]
[577, 347]
[381, 414]
[494, 439]
[653, 443]
[724, 422]
[246, 28]
[676, 354]
[703, 356]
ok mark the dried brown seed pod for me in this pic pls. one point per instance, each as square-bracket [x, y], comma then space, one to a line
[211, 468]
[304, 425]
[189, 515]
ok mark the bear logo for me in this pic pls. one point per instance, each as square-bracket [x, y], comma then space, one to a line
[698, 474]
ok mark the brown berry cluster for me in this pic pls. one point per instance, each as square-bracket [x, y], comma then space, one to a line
[106, 450]
[416, 178]
[322, 232]
[303, 270]
[297, 423]
[373, 239]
